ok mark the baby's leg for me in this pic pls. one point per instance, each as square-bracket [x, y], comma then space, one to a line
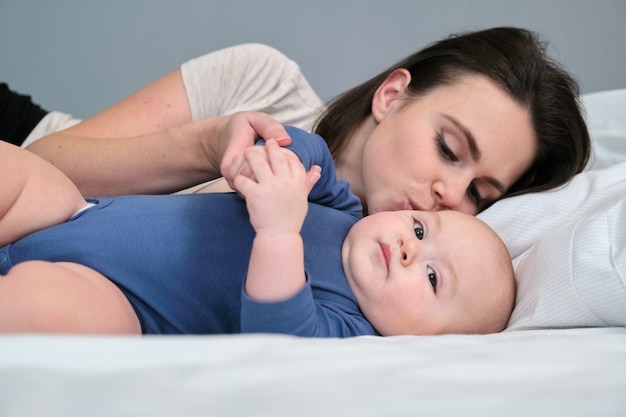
[34, 194]
[63, 297]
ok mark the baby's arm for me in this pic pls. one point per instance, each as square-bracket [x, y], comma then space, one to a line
[34, 195]
[277, 204]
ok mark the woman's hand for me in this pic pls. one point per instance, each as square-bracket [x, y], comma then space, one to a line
[239, 131]
[237, 135]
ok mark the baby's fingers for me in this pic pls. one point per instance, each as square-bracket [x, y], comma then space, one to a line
[257, 161]
[284, 162]
[244, 185]
[314, 174]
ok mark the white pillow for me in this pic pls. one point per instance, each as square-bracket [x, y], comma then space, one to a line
[569, 245]
[575, 275]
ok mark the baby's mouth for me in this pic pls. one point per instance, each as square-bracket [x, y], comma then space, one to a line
[386, 254]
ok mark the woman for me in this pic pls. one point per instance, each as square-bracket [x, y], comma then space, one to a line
[458, 125]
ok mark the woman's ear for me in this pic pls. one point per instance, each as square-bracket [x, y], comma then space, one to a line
[388, 92]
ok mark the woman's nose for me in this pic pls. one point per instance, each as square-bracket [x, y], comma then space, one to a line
[449, 194]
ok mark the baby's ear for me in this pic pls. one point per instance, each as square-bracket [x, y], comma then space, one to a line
[388, 92]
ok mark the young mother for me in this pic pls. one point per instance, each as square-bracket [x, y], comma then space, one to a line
[458, 125]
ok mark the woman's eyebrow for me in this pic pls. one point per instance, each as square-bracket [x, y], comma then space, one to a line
[471, 141]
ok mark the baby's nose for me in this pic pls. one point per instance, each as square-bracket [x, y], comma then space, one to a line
[408, 250]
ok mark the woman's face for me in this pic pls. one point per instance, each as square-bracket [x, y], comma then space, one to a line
[459, 147]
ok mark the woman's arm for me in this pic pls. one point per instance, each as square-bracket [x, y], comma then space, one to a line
[128, 147]
[155, 141]
[147, 143]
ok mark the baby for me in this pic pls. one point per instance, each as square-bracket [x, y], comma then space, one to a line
[288, 258]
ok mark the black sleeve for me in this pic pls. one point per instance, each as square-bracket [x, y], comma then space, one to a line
[18, 115]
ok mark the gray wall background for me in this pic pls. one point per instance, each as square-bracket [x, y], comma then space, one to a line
[81, 56]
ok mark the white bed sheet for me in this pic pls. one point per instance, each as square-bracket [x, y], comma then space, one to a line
[574, 372]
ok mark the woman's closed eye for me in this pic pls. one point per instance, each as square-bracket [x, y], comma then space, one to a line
[444, 149]
[474, 195]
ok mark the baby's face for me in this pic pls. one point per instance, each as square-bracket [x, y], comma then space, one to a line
[417, 272]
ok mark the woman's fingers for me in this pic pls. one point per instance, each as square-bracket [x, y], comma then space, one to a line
[241, 130]
[268, 128]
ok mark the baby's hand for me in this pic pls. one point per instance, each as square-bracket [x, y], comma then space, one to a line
[242, 167]
[276, 191]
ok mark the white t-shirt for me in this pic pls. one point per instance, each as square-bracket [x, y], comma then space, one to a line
[250, 77]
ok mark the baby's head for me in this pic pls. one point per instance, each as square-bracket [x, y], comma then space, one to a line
[423, 273]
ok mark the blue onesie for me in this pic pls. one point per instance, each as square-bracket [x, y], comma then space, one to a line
[181, 260]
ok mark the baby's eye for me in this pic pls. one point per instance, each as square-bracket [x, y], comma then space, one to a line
[419, 230]
[432, 277]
